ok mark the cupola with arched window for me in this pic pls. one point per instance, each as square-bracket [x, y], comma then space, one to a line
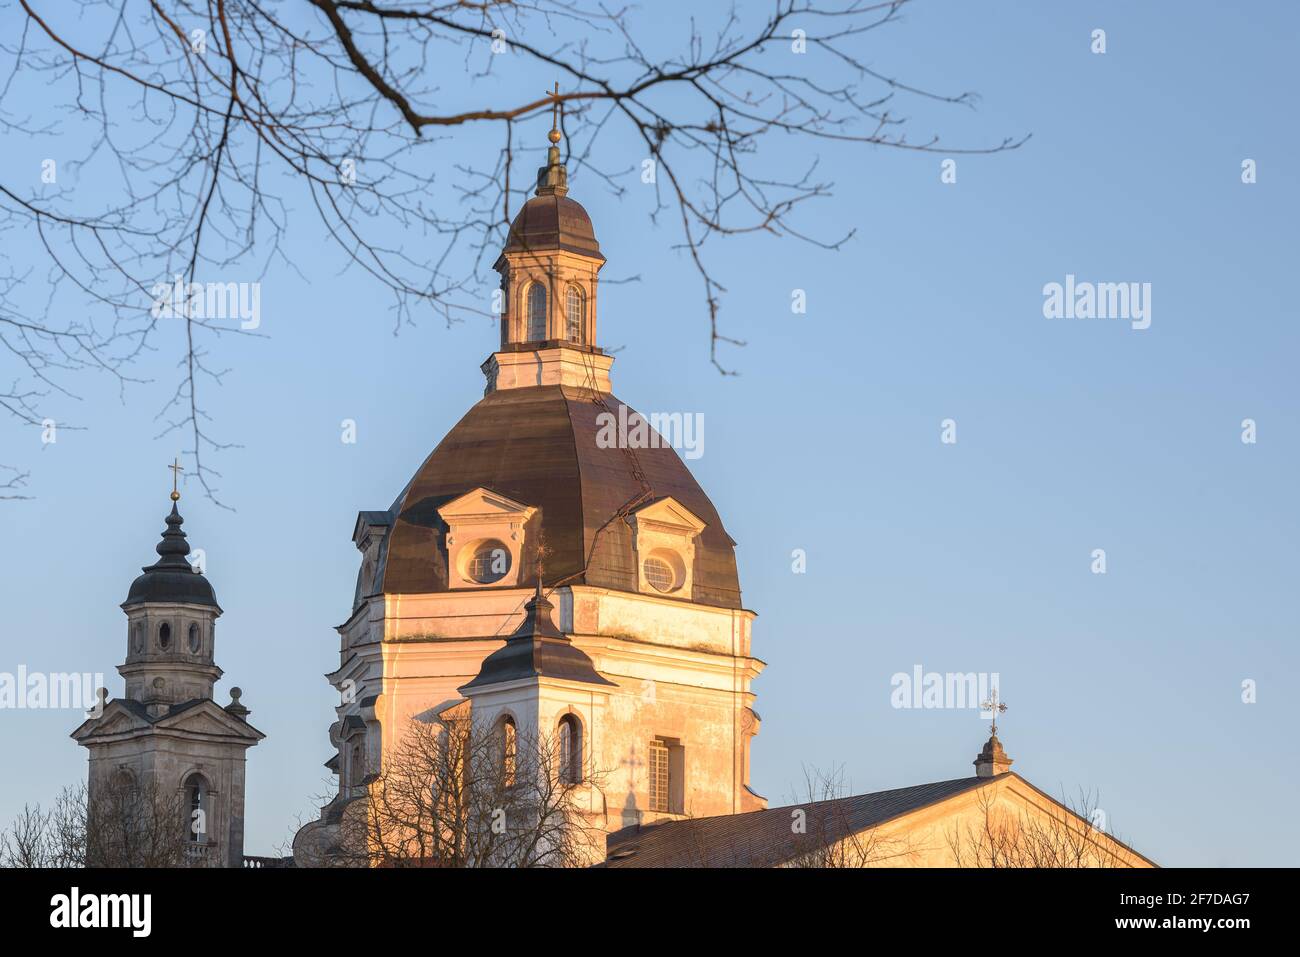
[548, 267]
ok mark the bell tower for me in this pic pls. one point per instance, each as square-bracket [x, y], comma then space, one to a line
[166, 745]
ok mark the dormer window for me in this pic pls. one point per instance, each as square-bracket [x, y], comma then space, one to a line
[485, 539]
[575, 314]
[664, 534]
[536, 312]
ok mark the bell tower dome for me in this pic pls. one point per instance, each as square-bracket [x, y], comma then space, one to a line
[171, 612]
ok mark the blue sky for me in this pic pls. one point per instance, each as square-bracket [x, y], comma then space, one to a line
[1072, 436]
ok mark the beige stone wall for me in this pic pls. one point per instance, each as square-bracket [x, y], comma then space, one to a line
[164, 762]
[681, 671]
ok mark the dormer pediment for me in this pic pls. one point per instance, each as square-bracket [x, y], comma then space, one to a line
[484, 505]
[370, 525]
[668, 514]
[663, 534]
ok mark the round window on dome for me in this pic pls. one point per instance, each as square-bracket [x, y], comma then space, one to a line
[663, 572]
[489, 563]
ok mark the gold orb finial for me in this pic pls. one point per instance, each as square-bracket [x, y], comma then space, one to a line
[554, 135]
[176, 472]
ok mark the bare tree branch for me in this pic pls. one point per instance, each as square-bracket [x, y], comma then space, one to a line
[190, 115]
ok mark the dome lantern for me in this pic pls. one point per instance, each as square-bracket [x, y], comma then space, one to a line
[549, 265]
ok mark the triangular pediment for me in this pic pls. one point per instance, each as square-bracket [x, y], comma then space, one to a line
[483, 503]
[116, 719]
[208, 717]
[669, 512]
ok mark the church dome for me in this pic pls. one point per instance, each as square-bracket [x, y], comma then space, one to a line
[538, 446]
[553, 221]
[172, 578]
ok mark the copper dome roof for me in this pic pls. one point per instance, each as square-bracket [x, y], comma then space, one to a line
[551, 221]
[538, 446]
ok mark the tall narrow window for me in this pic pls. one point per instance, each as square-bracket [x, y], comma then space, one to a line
[357, 767]
[507, 744]
[536, 312]
[574, 315]
[196, 801]
[570, 750]
[658, 776]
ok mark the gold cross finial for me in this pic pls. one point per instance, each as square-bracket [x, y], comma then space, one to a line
[993, 706]
[176, 473]
[554, 135]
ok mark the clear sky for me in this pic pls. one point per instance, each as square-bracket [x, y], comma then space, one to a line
[1072, 435]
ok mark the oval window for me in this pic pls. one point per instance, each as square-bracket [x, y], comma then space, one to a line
[489, 563]
[196, 638]
[660, 574]
[164, 635]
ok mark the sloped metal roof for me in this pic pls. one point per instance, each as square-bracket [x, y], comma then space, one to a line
[765, 838]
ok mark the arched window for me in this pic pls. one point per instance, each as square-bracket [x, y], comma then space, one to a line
[570, 750]
[536, 312]
[574, 314]
[123, 783]
[507, 743]
[195, 639]
[196, 809]
[164, 636]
